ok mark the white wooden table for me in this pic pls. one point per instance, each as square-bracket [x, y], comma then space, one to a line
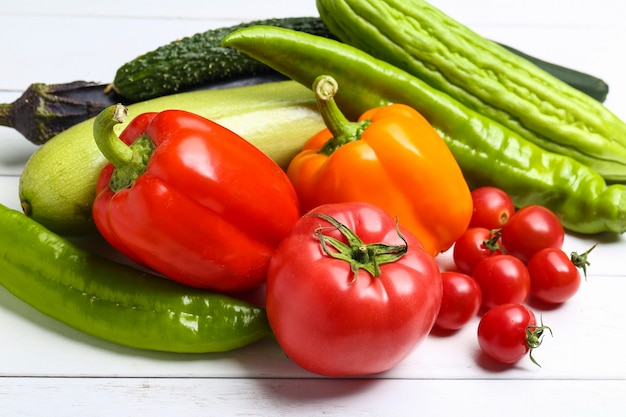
[48, 369]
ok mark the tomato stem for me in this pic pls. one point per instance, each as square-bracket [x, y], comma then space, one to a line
[580, 260]
[534, 338]
[358, 254]
[492, 243]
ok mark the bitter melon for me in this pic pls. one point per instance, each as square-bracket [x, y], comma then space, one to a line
[486, 77]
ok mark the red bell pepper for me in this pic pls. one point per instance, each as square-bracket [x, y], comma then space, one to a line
[191, 199]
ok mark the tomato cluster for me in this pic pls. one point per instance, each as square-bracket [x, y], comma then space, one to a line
[351, 291]
[511, 256]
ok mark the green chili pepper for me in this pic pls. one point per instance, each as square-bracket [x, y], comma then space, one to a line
[116, 302]
[487, 152]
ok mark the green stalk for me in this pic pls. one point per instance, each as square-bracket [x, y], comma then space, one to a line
[343, 130]
[356, 253]
[129, 161]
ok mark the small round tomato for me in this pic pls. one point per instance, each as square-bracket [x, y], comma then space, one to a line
[502, 279]
[493, 207]
[506, 333]
[350, 292]
[530, 229]
[474, 245]
[554, 278]
[460, 301]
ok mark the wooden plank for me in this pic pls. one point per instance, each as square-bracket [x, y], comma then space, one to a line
[193, 397]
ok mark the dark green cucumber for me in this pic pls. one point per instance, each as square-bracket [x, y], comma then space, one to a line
[198, 59]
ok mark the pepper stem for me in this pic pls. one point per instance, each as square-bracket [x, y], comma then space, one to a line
[343, 130]
[129, 161]
[358, 254]
[114, 150]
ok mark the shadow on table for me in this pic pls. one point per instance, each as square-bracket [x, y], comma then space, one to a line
[315, 389]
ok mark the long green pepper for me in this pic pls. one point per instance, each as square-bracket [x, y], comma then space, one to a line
[487, 152]
[116, 302]
[422, 40]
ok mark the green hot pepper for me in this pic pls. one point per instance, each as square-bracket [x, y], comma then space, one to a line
[116, 302]
[487, 152]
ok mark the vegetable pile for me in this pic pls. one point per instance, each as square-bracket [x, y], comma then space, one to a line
[334, 197]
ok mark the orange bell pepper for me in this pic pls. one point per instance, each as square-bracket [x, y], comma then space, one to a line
[391, 157]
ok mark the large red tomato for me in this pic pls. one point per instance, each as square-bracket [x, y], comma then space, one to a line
[351, 293]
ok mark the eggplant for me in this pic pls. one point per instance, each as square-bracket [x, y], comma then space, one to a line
[44, 110]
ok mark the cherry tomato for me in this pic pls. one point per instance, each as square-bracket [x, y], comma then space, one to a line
[530, 229]
[349, 292]
[493, 208]
[554, 278]
[474, 245]
[506, 333]
[460, 301]
[502, 279]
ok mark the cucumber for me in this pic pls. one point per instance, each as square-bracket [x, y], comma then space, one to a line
[198, 59]
[484, 76]
[57, 185]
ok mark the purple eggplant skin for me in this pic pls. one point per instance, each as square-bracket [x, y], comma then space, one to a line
[44, 110]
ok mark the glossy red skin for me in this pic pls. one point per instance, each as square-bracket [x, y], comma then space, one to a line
[209, 211]
[553, 277]
[531, 229]
[470, 249]
[502, 332]
[460, 302]
[502, 279]
[492, 208]
[331, 327]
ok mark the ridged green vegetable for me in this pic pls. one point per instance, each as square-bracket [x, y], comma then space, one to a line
[592, 86]
[422, 40]
[198, 59]
[116, 302]
[488, 152]
[57, 186]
